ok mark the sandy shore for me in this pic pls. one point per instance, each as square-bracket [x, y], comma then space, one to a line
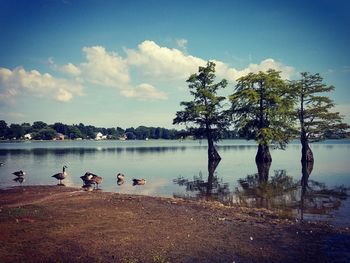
[61, 224]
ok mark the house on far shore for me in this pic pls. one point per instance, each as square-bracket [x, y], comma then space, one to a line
[100, 136]
[59, 137]
[28, 136]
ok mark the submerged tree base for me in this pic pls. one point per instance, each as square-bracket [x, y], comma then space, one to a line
[306, 154]
[263, 155]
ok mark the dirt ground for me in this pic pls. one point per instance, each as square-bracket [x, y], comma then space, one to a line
[61, 224]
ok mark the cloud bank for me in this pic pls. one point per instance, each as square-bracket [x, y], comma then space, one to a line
[153, 63]
[18, 81]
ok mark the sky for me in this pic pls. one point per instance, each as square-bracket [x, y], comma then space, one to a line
[125, 63]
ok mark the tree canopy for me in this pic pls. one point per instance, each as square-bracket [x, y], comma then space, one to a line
[204, 116]
[262, 110]
[314, 112]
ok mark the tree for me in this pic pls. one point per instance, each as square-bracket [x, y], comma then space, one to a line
[15, 131]
[3, 129]
[314, 113]
[38, 125]
[60, 128]
[46, 133]
[205, 112]
[73, 132]
[262, 111]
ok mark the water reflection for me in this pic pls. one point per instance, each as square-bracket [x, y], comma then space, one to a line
[258, 190]
[211, 189]
[91, 151]
[279, 192]
[19, 179]
[316, 198]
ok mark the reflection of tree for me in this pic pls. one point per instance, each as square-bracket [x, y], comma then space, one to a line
[212, 189]
[257, 190]
[315, 197]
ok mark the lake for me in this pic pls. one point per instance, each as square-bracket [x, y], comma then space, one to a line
[180, 169]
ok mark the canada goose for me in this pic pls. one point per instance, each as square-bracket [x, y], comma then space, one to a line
[87, 178]
[96, 179]
[19, 173]
[138, 181]
[120, 176]
[61, 176]
[90, 178]
[2, 164]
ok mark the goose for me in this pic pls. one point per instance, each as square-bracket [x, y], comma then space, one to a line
[138, 181]
[61, 176]
[96, 179]
[2, 164]
[120, 176]
[87, 178]
[90, 178]
[19, 173]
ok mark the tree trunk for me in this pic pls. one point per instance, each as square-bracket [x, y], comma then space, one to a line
[263, 155]
[213, 155]
[306, 153]
[263, 171]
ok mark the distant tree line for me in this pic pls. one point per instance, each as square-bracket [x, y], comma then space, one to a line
[40, 130]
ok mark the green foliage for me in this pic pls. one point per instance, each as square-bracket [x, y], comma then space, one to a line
[204, 115]
[45, 134]
[314, 110]
[262, 108]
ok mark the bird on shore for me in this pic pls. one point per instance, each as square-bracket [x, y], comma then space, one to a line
[87, 178]
[19, 173]
[90, 178]
[120, 178]
[96, 179]
[61, 176]
[138, 182]
[2, 164]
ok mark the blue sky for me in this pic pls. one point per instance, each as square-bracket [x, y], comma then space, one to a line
[124, 63]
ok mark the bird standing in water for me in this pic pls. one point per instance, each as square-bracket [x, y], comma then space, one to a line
[96, 179]
[19, 173]
[61, 176]
[138, 181]
[120, 178]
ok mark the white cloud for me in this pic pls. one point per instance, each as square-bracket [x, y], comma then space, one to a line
[18, 81]
[70, 69]
[104, 68]
[163, 63]
[172, 64]
[182, 43]
[152, 63]
[145, 91]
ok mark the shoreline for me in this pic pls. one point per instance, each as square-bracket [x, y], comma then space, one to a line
[52, 223]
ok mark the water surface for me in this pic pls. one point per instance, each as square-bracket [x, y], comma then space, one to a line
[180, 169]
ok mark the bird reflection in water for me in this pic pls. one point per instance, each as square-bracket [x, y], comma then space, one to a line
[19, 179]
[20, 176]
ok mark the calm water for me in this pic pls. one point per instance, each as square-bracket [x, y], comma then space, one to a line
[180, 169]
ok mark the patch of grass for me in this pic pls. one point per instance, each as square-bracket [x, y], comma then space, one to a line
[129, 260]
[159, 259]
